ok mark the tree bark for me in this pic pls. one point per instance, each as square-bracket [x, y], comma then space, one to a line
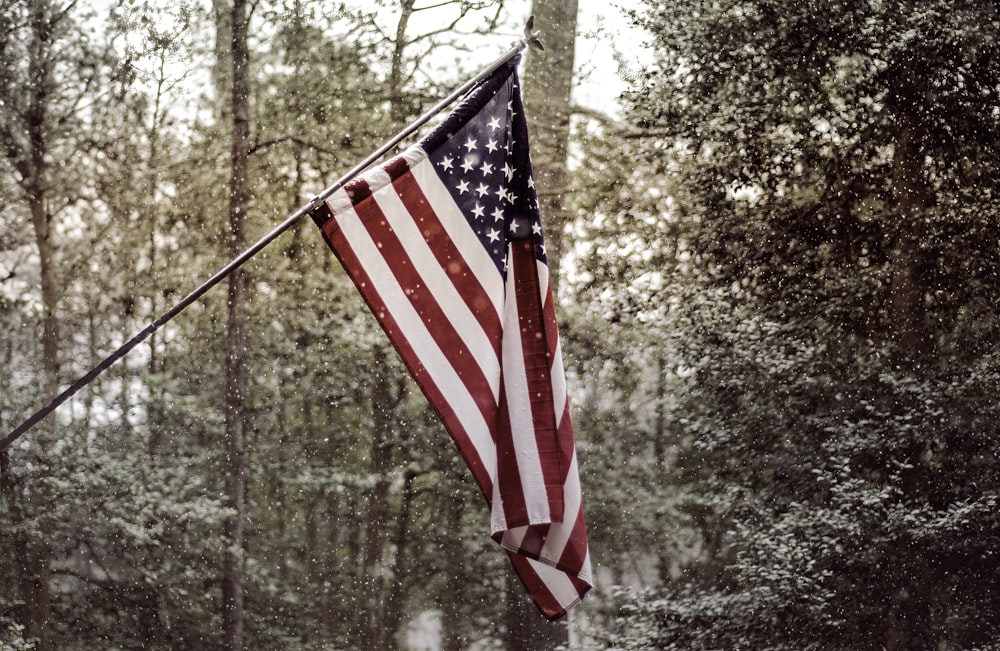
[547, 84]
[30, 159]
[236, 374]
[911, 197]
[383, 404]
[395, 599]
[548, 81]
[36, 183]
[397, 113]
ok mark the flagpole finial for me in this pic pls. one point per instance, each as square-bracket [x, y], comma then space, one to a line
[530, 37]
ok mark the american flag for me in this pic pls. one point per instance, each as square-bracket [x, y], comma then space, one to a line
[445, 244]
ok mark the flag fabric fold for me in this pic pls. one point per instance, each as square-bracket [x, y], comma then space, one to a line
[444, 242]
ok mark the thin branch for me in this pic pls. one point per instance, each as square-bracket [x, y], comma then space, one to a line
[260, 146]
[440, 4]
[62, 14]
[373, 23]
[649, 133]
[448, 28]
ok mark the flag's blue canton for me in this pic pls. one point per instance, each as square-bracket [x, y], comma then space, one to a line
[488, 173]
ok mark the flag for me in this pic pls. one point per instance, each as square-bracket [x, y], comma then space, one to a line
[445, 244]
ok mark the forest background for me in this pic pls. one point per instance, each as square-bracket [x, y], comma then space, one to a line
[780, 274]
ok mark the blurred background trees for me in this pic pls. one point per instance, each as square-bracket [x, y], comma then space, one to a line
[779, 279]
[832, 173]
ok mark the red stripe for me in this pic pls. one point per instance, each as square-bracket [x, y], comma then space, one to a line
[566, 440]
[357, 190]
[551, 325]
[424, 302]
[552, 338]
[515, 511]
[534, 540]
[575, 551]
[565, 423]
[451, 259]
[540, 593]
[349, 260]
[396, 168]
[537, 366]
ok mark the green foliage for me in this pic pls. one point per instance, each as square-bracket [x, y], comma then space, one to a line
[12, 638]
[832, 169]
[123, 513]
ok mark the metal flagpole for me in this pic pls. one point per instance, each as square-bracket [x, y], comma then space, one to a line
[293, 219]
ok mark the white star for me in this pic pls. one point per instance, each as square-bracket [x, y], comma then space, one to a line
[492, 145]
[501, 193]
[478, 211]
[536, 228]
[483, 190]
[494, 123]
[486, 169]
[508, 171]
[531, 182]
[513, 227]
[498, 214]
[463, 187]
[494, 235]
[446, 163]
[468, 165]
[470, 144]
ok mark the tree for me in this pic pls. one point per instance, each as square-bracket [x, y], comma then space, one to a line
[48, 73]
[833, 216]
[129, 507]
[548, 82]
[547, 85]
[236, 27]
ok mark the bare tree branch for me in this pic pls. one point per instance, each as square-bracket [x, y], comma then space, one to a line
[261, 146]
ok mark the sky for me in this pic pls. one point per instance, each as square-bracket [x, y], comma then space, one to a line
[602, 32]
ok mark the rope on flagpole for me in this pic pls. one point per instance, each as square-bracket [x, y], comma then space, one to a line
[315, 202]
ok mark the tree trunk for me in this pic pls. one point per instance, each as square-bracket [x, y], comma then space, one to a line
[452, 601]
[33, 555]
[547, 84]
[36, 188]
[911, 196]
[377, 497]
[31, 562]
[397, 114]
[527, 629]
[548, 80]
[395, 598]
[236, 374]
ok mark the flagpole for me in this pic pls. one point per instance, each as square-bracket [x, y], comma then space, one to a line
[315, 202]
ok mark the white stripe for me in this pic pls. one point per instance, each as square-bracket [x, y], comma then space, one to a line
[559, 534]
[522, 426]
[458, 230]
[559, 392]
[557, 582]
[543, 280]
[441, 372]
[427, 267]
[558, 373]
[498, 520]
